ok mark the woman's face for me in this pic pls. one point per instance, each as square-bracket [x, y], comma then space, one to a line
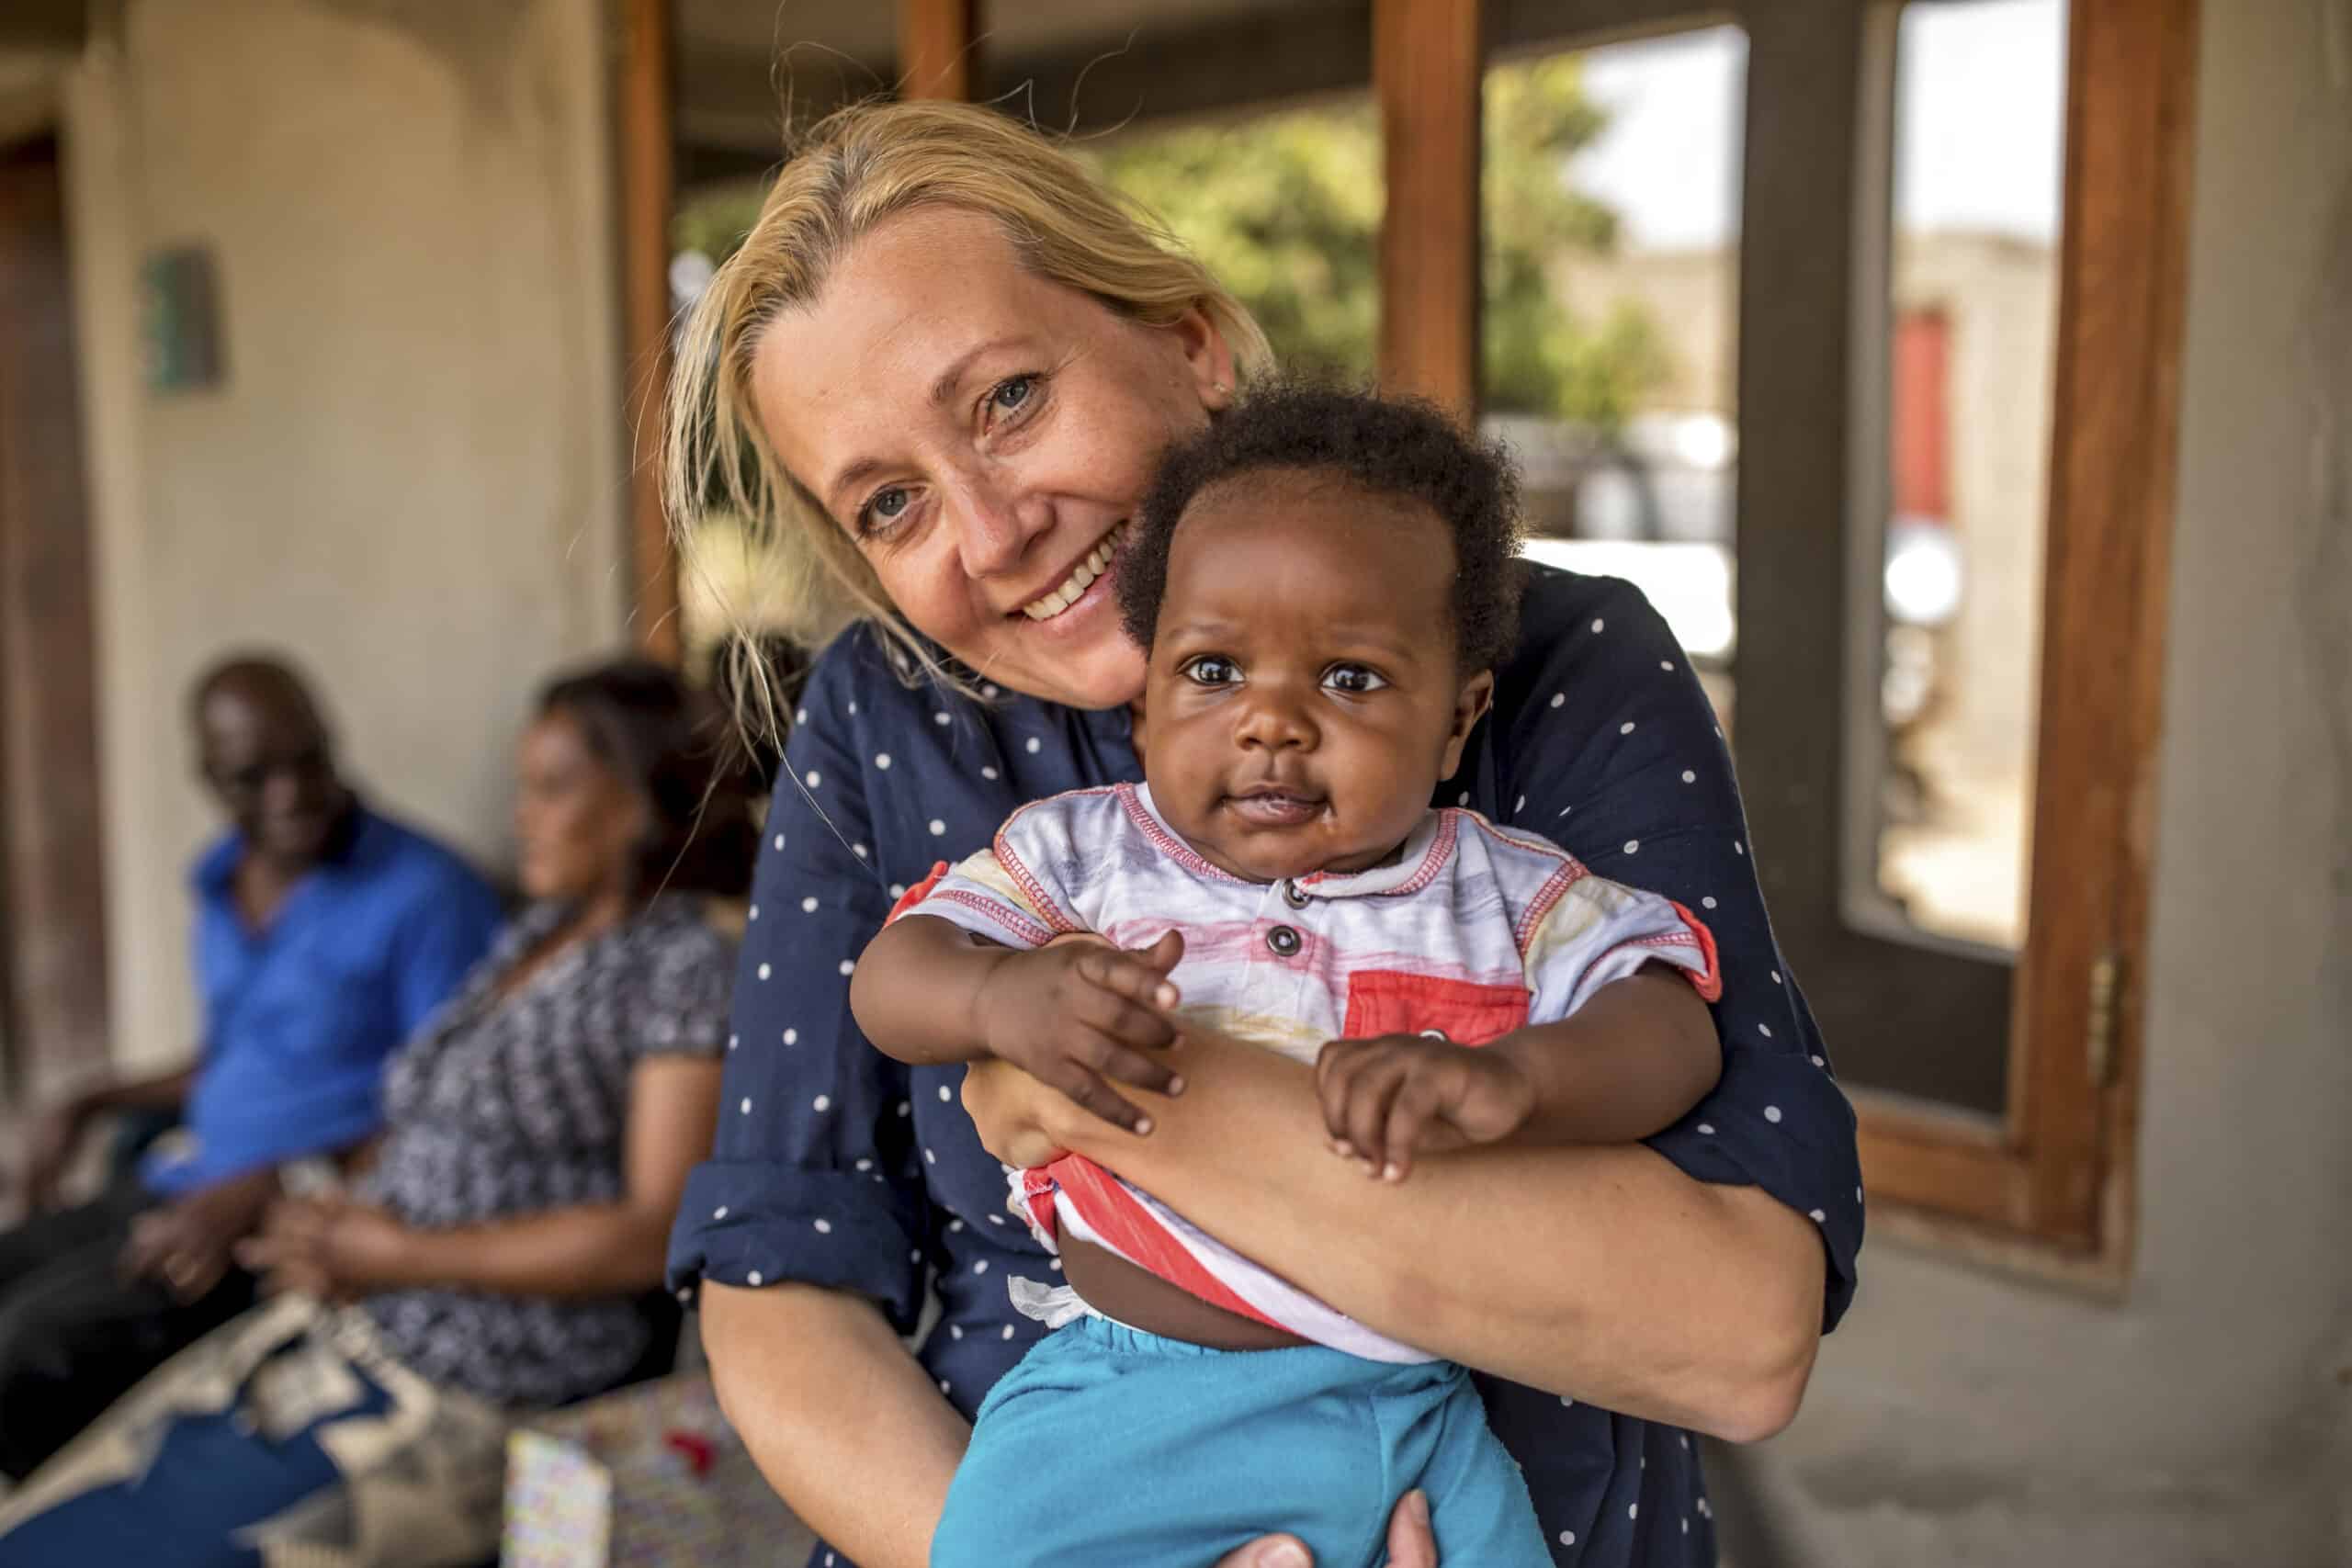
[982, 435]
[577, 823]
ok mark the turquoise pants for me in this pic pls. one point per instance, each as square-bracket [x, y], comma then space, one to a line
[1109, 1446]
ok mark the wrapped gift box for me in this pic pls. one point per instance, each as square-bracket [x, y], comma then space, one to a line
[649, 1477]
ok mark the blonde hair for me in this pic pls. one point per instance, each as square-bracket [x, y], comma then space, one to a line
[854, 168]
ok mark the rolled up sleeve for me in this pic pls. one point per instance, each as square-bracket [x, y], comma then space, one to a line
[813, 1176]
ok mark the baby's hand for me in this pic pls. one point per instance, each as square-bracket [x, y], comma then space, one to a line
[1080, 1016]
[1387, 1098]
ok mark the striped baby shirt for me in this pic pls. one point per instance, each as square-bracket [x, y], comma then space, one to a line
[1469, 932]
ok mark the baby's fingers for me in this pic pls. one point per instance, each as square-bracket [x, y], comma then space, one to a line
[1411, 1115]
[1091, 1093]
[1335, 1067]
[1123, 1022]
[1364, 1124]
[1164, 955]
[1126, 974]
[1110, 1059]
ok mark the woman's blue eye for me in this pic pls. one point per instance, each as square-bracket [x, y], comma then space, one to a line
[1009, 394]
[1354, 679]
[1211, 670]
[888, 503]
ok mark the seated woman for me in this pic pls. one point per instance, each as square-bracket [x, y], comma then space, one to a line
[497, 1254]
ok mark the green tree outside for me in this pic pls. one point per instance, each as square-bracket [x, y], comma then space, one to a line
[1285, 209]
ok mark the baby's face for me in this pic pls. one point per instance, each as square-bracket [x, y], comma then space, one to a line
[1303, 701]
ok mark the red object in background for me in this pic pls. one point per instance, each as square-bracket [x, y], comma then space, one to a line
[1921, 426]
[697, 1450]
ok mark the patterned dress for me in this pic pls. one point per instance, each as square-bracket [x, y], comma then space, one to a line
[510, 1105]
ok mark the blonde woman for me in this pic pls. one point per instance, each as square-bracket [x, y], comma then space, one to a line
[938, 375]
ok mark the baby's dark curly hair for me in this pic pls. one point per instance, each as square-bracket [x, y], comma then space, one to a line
[1390, 445]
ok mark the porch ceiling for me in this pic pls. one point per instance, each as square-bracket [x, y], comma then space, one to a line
[739, 60]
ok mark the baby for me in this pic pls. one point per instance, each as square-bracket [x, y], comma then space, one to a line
[1323, 584]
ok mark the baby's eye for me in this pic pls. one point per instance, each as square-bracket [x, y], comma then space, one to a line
[1212, 669]
[1353, 678]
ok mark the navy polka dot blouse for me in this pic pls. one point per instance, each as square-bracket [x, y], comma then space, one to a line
[836, 1166]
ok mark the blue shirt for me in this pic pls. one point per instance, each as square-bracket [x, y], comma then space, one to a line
[298, 1018]
[837, 1166]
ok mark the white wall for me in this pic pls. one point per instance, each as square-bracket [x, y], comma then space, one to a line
[1964, 1419]
[412, 475]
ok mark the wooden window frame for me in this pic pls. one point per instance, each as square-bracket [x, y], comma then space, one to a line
[2055, 1179]
[2051, 1181]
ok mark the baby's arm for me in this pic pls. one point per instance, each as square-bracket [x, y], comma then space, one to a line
[1078, 1014]
[1620, 1048]
[1628, 1064]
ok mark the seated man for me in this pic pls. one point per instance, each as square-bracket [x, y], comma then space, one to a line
[324, 934]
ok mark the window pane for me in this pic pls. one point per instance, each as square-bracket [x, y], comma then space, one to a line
[1284, 207]
[1980, 91]
[1610, 206]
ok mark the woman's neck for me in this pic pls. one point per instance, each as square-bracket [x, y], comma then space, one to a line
[590, 918]
[598, 913]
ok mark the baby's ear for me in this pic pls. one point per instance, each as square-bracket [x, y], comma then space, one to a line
[1477, 696]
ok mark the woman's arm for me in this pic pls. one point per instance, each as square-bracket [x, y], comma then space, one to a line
[1603, 1273]
[580, 1251]
[870, 1477]
[591, 1250]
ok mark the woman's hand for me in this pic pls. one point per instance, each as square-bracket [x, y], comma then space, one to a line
[188, 1243]
[1011, 1111]
[328, 1247]
[1411, 1543]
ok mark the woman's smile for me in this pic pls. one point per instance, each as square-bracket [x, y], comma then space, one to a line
[1083, 579]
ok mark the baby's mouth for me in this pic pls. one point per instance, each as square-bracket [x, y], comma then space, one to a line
[1269, 808]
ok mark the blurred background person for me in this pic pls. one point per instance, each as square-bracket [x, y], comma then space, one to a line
[502, 1252]
[325, 935]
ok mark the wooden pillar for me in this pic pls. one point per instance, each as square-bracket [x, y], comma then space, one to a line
[939, 49]
[2115, 400]
[648, 148]
[52, 908]
[1428, 70]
